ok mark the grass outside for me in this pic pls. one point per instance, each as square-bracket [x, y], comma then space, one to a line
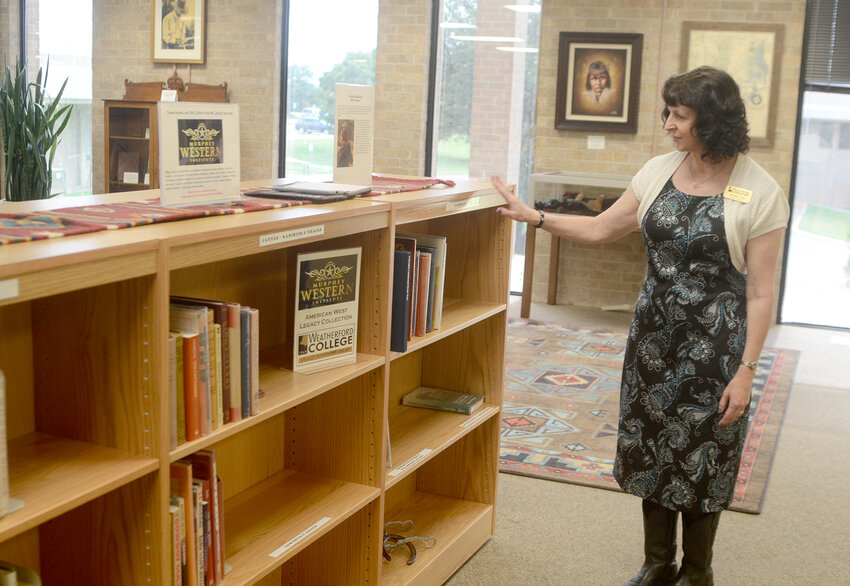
[827, 222]
[453, 156]
[301, 161]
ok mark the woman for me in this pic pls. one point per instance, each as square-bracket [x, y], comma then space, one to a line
[713, 223]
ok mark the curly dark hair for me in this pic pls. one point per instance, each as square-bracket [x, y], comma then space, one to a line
[721, 118]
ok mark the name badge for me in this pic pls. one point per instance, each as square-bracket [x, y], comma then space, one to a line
[738, 194]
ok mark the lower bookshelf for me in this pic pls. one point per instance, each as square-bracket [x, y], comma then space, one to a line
[275, 520]
[468, 524]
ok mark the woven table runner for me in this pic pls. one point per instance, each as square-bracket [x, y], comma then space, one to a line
[25, 227]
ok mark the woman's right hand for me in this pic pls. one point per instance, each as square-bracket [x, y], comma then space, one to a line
[514, 208]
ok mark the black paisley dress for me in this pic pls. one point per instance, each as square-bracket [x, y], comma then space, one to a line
[685, 344]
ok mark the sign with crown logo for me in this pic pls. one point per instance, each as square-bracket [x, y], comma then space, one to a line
[198, 153]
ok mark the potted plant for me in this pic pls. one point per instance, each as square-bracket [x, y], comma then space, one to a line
[31, 124]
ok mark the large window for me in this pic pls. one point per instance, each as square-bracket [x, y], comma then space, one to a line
[486, 88]
[329, 42]
[816, 281]
[64, 31]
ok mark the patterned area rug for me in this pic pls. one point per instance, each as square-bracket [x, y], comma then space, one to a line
[561, 404]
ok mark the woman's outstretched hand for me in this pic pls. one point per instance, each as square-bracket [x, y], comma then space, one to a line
[514, 208]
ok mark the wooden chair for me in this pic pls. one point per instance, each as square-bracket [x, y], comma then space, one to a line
[151, 91]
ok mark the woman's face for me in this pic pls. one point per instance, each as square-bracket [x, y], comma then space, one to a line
[680, 124]
[598, 80]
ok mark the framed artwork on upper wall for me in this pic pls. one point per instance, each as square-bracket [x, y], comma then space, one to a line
[598, 82]
[177, 31]
[752, 54]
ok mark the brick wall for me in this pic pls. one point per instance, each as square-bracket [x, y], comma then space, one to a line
[401, 86]
[243, 49]
[617, 278]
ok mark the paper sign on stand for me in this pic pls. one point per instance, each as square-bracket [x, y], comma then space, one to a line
[354, 107]
[198, 153]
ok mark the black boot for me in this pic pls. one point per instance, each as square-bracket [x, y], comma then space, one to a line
[659, 546]
[698, 534]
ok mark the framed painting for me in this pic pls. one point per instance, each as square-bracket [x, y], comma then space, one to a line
[177, 31]
[598, 82]
[752, 54]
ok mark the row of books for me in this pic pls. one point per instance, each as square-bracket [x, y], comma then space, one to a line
[213, 359]
[195, 511]
[419, 275]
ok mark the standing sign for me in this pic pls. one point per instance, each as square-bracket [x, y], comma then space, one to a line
[326, 298]
[198, 152]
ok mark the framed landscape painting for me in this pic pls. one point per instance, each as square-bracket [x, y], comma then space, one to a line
[177, 31]
[598, 82]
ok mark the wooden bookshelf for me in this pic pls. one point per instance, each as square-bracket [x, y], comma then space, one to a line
[305, 481]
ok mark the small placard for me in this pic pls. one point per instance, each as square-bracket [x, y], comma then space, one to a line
[131, 176]
[596, 143]
[9, 289]
[147, 178]
[738, 194]
[456, 206]
[168, 96]
[410, 463]
[289, 235]
[300, 537]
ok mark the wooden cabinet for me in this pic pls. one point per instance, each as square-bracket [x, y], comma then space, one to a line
[306, 488]
[131, 145]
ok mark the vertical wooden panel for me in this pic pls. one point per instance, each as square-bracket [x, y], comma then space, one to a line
[465, 470]
[22, 550]
[349, 554]
[92, 365]
[16, 364]
[251, 456]
[338, 433]
[102, 542]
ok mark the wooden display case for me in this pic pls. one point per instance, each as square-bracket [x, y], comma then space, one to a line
[130, 141]
[306, 487]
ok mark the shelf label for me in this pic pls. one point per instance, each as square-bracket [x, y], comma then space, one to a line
[299, 538]
[9, 289]
[289, 235]
[456, 206]
[410, 463]
[478, 417]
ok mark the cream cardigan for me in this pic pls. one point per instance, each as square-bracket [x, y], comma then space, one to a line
[768, 209]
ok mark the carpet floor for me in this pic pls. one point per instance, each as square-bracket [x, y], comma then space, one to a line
[561, 403]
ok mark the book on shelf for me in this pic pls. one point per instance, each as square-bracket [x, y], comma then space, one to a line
[191, 385]
[234, 341]
[174, 546]
[245, 352]
[194, 319]
[422, 291]
[179, 508]
[218, 419]
[432, 268]
[326, 303]
[409, 244]
[400, 300]
[221, 315]
[439, 260]
[254, 317]
[181, 486]
[443, 400]
[172, 389]
[204, 469]
[198, 515]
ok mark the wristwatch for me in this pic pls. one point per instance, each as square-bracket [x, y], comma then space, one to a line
[751, 364]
